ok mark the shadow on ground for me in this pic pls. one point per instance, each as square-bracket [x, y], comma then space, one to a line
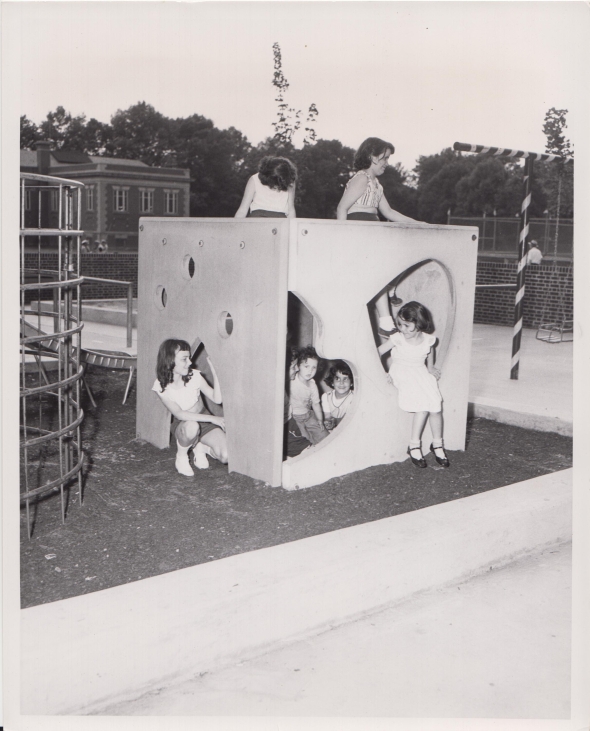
[140, 518]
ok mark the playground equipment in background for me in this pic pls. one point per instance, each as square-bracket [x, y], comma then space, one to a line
[56, 397]
[50, 410]
[563, 329]
[227, 283]
[529, 158]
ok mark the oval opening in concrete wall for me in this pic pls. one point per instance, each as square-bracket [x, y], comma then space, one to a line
[431, 284]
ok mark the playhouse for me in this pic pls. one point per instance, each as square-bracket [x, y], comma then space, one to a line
[238, 285]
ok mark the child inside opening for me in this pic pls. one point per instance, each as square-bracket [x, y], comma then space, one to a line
[336, 403]
[413, 373]
[179, 387]
[305, 397]
[270, 193]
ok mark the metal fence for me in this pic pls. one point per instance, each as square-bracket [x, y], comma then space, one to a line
[500, 235]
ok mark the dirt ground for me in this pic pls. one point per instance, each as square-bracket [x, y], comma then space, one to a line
[140, 518]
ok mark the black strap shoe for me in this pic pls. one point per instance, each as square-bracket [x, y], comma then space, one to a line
[443, 461]
[418, 462]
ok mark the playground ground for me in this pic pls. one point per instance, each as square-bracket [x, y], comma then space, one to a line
[140, 518]
[493, 645]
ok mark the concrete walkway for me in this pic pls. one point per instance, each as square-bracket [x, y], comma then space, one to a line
[541, 398]
[497, 646]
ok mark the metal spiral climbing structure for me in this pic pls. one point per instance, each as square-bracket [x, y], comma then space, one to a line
[51, 457]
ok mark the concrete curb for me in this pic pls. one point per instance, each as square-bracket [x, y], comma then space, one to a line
[536, 422]
[82, 654]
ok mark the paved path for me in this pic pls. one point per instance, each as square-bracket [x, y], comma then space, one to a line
[541, 398]
[497, 646]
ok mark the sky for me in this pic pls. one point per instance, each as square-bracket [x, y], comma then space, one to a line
[421, 75]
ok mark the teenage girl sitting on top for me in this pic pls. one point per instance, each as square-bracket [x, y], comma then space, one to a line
[270, 193]
[179, 388]
[363, 200]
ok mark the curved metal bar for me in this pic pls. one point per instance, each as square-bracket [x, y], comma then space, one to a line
[47, 388]
[61, 480]
[48, 435]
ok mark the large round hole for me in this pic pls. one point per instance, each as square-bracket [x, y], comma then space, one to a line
[160, 298]
[188, 267]
[225, 324]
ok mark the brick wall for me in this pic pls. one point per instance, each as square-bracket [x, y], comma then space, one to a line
[549, 295]
[112, 265]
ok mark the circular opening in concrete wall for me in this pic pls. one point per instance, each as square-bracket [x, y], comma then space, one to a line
[160, 298]
[188, 267]
[225, 324]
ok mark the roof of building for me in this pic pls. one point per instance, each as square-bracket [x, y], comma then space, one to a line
[71, 157]
[28, 159]
[117, 161]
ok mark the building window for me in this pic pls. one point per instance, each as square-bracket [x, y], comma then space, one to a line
[120, 199]
[171, 201]
[28, 200]
[54, 200]
[90, 198]
[146, 200]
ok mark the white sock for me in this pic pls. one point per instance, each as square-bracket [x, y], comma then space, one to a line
[200, 452]
[182, 464]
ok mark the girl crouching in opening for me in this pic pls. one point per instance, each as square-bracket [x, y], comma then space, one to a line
[179, 387]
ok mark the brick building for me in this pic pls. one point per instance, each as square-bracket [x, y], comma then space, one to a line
[117, 192]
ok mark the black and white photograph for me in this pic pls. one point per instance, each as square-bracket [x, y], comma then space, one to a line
[296, 397]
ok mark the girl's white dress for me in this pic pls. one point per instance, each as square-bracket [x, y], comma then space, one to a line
[418, 389]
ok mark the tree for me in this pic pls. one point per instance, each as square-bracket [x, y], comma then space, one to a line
[29, 133]
[553, 128]
[140, 133]
[557, 178]
[323, 171]
[289, 121]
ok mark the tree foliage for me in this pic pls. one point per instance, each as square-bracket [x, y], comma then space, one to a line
[288, 119]
[220, 162]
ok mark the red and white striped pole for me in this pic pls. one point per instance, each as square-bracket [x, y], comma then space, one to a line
[505, 152]
[521, 271]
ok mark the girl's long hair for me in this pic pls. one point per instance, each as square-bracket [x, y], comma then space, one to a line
[371, 147]
[165, 362]
[278, 173]
[419, 315]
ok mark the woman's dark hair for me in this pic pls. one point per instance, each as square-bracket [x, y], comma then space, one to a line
[308, 352]
[165, 362]
[419, 315]
[371, 147]
[339, 367]
[277, 173]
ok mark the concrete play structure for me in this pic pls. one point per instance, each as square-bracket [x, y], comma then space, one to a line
[233, 285]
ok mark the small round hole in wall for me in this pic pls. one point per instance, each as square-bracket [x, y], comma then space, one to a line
[188, 267]
[160, 298]
[225, 324]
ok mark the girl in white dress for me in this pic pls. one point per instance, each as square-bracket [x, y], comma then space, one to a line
[179, 387]
[415, 376]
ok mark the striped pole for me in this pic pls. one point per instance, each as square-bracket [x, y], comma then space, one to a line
[529, 157]
[521, 271]
[508, 153]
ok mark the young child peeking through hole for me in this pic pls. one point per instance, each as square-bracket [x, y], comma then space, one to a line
[304, 397]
